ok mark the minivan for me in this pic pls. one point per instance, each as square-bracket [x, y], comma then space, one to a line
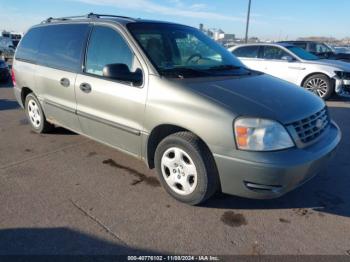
[168, 95]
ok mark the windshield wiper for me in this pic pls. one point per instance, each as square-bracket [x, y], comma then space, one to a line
[225, 67]
[183, 72]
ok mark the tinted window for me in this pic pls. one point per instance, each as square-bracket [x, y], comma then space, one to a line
[107, 46]
[274, 53]
[62, 46]
[29, 46]
[303, 54]
[247, 51]
[301, 45]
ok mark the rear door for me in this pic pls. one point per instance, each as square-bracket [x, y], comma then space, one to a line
[59, 60]
[249, 55]
[111, 111]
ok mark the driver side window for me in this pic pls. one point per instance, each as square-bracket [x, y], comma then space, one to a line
[107, 46]
[273, 53]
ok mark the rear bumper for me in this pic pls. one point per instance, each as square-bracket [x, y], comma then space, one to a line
[268, 175]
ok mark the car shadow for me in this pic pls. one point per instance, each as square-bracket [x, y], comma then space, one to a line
[62, 131]
[326, 193]
[60, 241]
[6, 104]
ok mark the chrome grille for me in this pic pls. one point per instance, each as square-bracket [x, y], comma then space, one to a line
[312, 127]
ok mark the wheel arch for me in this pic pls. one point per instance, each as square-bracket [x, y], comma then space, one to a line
[158, 134]
[24, 92]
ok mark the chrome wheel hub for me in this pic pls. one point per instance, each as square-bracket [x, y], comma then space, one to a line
[34, 113]
[179, 171]
[317, 86]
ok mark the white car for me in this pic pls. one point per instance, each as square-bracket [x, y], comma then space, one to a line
[295, 65]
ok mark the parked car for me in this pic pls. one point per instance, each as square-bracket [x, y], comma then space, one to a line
[4, 71]
[342, 49]
[293, 64]
[169, 95]
[7, 48]
[321, 50]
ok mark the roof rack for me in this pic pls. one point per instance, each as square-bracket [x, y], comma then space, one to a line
[88, 16]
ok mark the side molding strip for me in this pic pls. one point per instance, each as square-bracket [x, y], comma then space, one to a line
[65, 108]
[110, 123]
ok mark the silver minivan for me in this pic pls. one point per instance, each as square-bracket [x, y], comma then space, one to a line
[170, 96]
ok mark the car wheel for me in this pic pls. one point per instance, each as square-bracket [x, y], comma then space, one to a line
[36, 115]
[186, 168]
[320, 85]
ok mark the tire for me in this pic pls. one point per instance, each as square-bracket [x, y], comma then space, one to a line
[36, 116]
[320, 85]
[186, 168]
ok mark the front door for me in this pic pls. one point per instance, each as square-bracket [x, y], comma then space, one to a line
[275, 62]
[110, 111]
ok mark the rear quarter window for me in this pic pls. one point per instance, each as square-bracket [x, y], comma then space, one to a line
[247, 51]
[29, 46]
[62, 46]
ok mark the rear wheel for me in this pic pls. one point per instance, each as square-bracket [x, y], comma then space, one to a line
[186, 168]
[320, 85]
[36, 115]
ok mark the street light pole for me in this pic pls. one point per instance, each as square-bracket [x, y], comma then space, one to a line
[248, 18]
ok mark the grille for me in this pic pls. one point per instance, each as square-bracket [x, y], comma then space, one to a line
[310, 128]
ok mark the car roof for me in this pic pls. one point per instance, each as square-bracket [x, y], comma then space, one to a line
[122, 20]
[299, 41]
[265, 44]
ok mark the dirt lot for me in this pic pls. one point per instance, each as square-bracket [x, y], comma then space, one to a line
[61, 193]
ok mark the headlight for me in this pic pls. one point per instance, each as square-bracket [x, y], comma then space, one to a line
[343, 75]
[254, 134]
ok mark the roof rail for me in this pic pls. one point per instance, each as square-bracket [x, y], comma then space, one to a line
[88, 16]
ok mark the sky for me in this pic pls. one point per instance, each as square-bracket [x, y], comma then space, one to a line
[270, 19]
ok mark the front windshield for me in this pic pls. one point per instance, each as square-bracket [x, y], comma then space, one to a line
[177, 50]
[301, 53]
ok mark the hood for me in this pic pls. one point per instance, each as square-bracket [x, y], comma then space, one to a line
[259, 96]
[333, 63]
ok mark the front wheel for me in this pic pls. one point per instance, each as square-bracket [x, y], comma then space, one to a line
[320, 85]
[186, 168]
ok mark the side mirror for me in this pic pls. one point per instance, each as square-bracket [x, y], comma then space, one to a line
[288, 58]
[122, 72]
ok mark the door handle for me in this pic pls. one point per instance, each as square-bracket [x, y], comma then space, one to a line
[65, 82]
[85, 87]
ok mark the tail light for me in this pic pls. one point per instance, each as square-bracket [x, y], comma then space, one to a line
[13, 77]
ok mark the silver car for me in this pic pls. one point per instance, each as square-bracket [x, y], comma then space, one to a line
[294, 64]
[170, 96]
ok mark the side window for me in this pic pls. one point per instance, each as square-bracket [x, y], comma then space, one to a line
[247, 52]
[273, 53]
[106, 47]
[28, 49]
[312, 47]
[62, 46]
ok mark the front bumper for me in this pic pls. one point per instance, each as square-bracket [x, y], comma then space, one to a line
[266, 175]
[342, 87]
